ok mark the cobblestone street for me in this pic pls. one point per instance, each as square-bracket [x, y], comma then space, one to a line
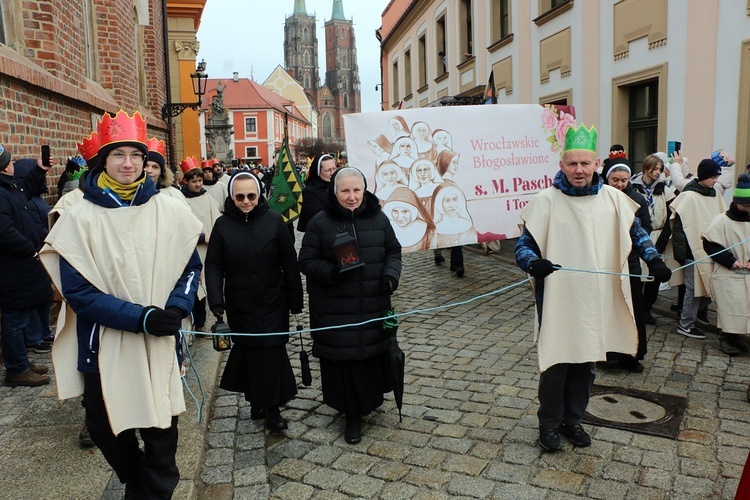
[470, 427]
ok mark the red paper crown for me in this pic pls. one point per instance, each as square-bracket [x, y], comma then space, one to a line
[205, 163]
[215, 161]
[122, 128]
[157, 146]
[89, 146]
[188, 164]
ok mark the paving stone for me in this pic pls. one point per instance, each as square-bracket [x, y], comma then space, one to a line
[362, 486]
[220, 439]
[293, 448]
[252, 492]
[389, 471]
[292, 469]
[507, 473]
[696, 487]
[465, 465]
[250, 458]
[293, 491]
[250, 441]
[323, 455]
[322, 436]
[558, 480]
[216, 475]
[325, 479]
[452, 445]
[250, 476]
[223, 425]
[218, 456]
[390, 450]
[470, 486]
[354, 463]
[699, 468]
[431, 478]
[398, 491]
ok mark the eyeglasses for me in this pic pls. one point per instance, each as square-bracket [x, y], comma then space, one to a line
[119, 158]
[241, 197]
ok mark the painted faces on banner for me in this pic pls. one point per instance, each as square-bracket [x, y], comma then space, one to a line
[495, 158]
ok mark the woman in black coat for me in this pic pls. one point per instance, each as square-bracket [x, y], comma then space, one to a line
[319, 175]
[353, 360]
[251, 272]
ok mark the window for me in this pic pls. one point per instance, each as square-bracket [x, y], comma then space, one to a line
[466, 36]
[139, 66]
[89, 39]
[345, 83]
[307, 81]
[500, 19]
[328, 126]
[346, 100]
[251, 152]
[643, 121]
[306, 58]
[440, 45]
[305, 35]
[2, 25]
[250, 125]
[407, 72]
[422, 55]
[395, 82]
[343, 33]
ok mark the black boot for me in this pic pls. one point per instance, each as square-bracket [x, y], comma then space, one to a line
[274, 420]
[353, 431]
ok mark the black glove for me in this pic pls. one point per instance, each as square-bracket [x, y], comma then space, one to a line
[217, 311]
[179, 312]
[388, 284]
[659, 270]
[541, 268]
[160, 322]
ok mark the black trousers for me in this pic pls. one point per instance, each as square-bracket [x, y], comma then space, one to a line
[151, 472]
[564, 391]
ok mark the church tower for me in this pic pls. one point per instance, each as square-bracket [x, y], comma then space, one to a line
[301, 49]
[341, 92]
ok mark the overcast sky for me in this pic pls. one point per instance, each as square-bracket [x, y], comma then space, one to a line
[248, 37]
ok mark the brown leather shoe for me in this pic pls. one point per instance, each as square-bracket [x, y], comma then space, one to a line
[27, 379]
[38, 369]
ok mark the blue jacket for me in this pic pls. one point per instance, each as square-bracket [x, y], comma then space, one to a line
[94, 307]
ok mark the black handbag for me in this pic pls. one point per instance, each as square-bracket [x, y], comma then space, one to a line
[221, 340]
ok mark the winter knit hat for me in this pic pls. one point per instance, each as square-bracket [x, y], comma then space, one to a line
[742, 191]
[4, 158]
[708, 168]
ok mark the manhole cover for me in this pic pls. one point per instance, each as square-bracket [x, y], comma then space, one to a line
[637, 411]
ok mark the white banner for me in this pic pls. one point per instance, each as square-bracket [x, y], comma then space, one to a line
[457, 175]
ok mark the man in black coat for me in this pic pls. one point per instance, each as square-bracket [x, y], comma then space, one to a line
[20, 240]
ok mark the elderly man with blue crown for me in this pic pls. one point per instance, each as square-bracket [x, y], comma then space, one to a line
[580, 223]
[125, 262]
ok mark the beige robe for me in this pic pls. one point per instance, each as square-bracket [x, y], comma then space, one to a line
[730, 290]
[206, 209]
[584, 315]
[136, 254]
[218, 191]
[696, 213]
[174, 193]
[65, 202]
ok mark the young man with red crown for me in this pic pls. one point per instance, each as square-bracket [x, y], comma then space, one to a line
[125, 262]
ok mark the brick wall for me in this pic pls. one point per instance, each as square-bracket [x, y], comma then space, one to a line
[47, 97]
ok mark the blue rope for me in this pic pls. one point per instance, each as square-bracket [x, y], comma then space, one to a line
[464, 302]
[198, 405]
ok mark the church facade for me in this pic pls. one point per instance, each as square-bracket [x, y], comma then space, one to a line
[339, 93]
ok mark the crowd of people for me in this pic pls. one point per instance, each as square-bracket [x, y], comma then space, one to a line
[136, 260]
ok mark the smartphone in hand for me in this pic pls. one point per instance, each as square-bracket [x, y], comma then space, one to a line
[46, 158]
[672, 147]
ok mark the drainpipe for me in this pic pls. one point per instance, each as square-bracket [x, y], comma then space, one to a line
[165, 35]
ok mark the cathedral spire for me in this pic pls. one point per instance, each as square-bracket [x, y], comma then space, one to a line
[299, 7]
[338, 10]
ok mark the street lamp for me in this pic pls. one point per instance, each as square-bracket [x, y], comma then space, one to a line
[200, 78]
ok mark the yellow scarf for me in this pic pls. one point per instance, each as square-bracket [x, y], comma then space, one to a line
[125, 192]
